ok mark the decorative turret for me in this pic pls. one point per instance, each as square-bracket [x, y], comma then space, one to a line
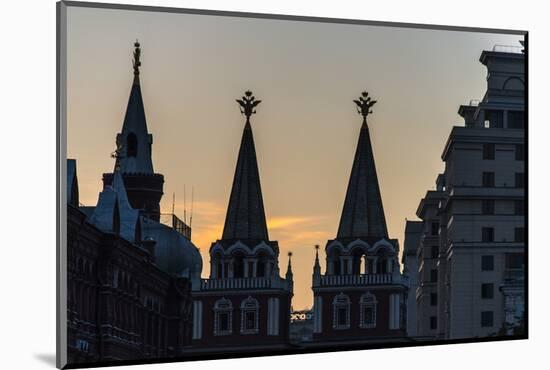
[144, 187]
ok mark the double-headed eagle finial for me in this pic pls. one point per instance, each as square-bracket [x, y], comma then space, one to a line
[364, 104]
[137, 54]
[248, 104]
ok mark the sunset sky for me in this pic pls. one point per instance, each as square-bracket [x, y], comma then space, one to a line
[306, 129]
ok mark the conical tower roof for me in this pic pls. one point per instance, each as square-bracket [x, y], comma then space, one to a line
[363, 213]
[245, 218]
[134, 139]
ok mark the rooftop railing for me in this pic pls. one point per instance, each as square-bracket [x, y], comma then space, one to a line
[358, 280]
[508, 49]
[245, 283]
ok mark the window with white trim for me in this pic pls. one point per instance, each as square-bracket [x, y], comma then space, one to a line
[223, 317]
[341, 310]
[367, 311]
[249, 316]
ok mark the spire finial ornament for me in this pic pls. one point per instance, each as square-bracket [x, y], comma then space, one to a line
[136, 61]
[248, 104]
[364, 104]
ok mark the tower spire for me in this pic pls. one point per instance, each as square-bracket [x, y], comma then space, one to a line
[289, 274]
[134, 144]
[135, 138]
[317, 265]
[363, 213]
[245, 218]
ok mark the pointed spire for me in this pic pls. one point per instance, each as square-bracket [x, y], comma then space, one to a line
[135, 140]
[317, 265]
[289, 274]
[245, 218]
[363, 213]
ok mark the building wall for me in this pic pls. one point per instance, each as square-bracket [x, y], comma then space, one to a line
[206, 336]
[354, 332]
[120, 306]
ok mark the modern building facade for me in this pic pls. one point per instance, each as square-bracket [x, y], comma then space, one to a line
[427, 255]
[245, 304]
[409, 259]
[477, 214]
[362, 294]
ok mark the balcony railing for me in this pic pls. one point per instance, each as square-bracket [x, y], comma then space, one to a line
[359, 280]
[245, 283]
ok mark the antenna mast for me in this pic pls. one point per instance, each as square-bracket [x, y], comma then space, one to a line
[184, 205]
[192, 199]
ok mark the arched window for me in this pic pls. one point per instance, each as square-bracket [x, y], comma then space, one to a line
[341, 312]
[238, 265]
[358, 262]
[336, 263]
[223, 317]
[262, 264]
[382, 259]
[249, 316]
[367, 313]
[218, 266]
[131, 145]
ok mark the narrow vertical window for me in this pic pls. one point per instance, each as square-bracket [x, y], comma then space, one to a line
[487, 234]
[433, 322]
[249, 316]
[341, 309]
[223, 316]
[367, 313]
[435, 228]
[487, 263]
[488, 207]
[131, 145]
[487, 319]
[433, 299]
[488, 151]
[487, 290]
[488, 179]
